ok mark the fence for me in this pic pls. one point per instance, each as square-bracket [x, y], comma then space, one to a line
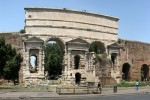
[77, 90]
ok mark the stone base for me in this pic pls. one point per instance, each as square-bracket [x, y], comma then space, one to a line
[35, 81]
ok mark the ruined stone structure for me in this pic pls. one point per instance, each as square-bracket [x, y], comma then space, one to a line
[75, 31]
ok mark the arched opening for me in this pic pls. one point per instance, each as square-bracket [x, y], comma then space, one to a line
[54, 52]
[144, 73]
[97, 47]
[113, 57]
[33, 64]
[77, 78]
[126, 72]
[33, 61]
[56, 40]
[76, 61]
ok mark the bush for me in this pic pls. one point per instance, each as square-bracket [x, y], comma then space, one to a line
[22, 31]
[131, 84]
[126, 84]
[144, 83]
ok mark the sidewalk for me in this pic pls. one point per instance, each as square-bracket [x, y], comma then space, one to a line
[126, 90]
[46, 94]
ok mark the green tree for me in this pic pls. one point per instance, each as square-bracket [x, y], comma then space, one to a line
[94, 48]
[2, 56]
[101, 59]
[10, 61]
[53, 59]
[97, 47]
[22, 31]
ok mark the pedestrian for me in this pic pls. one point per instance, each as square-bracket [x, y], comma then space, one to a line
[137, 84]
[99, 88]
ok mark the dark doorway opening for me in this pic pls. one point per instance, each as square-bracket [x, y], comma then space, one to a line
[126, 72]
[77, 78]
[144, 73]
[113, 57]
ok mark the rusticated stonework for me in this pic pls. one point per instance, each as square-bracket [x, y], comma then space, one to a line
[75, 31]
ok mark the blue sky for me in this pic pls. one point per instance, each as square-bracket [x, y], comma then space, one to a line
[134, 15]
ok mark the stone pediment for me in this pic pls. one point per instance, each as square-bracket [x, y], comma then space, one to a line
[34, 39]
[78, 41]
[77, 44]
[114, 45]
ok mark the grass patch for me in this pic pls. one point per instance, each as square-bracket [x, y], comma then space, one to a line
[132, 84]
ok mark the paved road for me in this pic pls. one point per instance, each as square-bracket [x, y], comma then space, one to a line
[140, 96]
[107, 94]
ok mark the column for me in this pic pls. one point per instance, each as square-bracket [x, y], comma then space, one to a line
[68, 59]
[43, 56]
[40, 60]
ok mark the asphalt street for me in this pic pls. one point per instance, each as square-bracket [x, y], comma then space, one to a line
[122, 94]
[140, 96]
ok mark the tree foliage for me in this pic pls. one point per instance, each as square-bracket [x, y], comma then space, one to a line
[103, 60]
[22, 31]
[53, 59]
[101, 57]
[94, 48]
[10, 61]
[97, 47]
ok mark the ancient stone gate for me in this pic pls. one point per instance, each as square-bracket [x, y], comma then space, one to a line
[75, 31]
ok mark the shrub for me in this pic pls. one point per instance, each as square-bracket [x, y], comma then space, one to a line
[131, 84]
[126, 84]
[22, 31]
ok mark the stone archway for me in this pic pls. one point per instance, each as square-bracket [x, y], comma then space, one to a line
[33, 63]
[144, 72]
[54, 53]
[69, 37]
[33, 60]
[57, 40]
[77, 78]
[97, 47]
[126, 72]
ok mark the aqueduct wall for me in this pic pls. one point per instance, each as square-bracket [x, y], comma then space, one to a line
[136, 54]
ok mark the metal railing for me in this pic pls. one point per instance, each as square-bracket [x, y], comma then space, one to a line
[77, 90]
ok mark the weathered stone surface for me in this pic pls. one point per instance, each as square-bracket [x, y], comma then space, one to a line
[74, 31]
[13, 38]
[68, 23]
